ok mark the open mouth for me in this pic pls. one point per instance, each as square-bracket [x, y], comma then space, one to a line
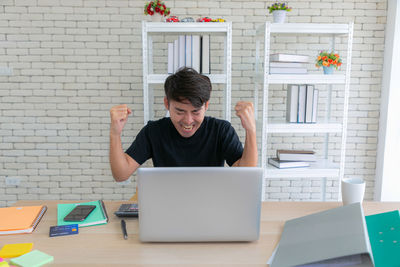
[187, 128]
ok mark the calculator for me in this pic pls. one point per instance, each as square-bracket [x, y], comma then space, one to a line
[127, 210]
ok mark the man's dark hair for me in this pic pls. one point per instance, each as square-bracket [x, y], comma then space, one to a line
[188, 84]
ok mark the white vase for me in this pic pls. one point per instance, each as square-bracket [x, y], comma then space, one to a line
[156, 17]
[279, 16]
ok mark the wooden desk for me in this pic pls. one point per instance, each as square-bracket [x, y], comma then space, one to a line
[104, 245]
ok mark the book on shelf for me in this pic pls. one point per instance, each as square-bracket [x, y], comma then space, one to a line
[170, 58]
[309, 103]
[188, 51]
[287, 65]
[296, 155]
[176, 55]
[315, 106]
[288, 58]
[302, 103]
[292, 102]
[301, 108]
[97, 217]
[205, 54]
[283, 164]
[278, 70]
[20, 220]
[191, 51]
[196, 53]
[181, 51]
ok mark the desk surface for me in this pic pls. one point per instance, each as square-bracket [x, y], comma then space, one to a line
[104, 245]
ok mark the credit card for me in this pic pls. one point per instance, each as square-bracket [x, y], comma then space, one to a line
[60, 230]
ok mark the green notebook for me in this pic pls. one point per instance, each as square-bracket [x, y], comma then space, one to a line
[34, 258]
[96, 217]
[384, 235]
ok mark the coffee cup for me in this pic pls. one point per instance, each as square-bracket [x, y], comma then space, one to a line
[352, 190]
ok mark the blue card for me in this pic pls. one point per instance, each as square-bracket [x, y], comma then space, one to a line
[59, 230]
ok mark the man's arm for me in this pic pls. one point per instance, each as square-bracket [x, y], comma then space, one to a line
[122, 165]
[245, 111]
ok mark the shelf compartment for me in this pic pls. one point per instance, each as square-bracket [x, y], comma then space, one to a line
[188, 27]
[318, 169]
[306, 78]
[160, 78]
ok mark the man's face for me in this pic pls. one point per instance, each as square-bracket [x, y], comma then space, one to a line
[185, 117]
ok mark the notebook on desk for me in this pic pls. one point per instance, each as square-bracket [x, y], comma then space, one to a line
[199, 204]
[20, 220]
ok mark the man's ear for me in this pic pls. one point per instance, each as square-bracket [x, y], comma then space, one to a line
[206, 104]
[166, 104]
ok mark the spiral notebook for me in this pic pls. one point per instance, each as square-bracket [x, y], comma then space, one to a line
[20, 220]
[96, 217]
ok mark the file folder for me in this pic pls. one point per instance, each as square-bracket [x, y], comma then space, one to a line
[384, 234]
[339, 234]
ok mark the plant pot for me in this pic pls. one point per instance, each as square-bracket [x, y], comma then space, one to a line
[157, 17]
[328, 70]
[279, 16]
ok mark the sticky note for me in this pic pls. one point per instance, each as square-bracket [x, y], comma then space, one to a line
[15, 250]
[3, 263]
[34, 258]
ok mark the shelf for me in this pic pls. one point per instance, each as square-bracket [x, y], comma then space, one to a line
[286, 127]
[188, 27]
[306, 78]
[308, 28]
[262, 78]
[274, 127]
[160, 78]
[318, 169]
[151, 29]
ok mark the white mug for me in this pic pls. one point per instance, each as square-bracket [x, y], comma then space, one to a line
[352, 190]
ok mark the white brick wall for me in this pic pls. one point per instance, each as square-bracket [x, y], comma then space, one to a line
[75, 59]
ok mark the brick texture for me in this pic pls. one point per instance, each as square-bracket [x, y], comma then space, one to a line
[74, 60]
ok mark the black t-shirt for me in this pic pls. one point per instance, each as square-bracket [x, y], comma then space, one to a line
[213, 143]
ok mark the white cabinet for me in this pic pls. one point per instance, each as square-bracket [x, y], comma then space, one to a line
[268, 34]
[151, 29]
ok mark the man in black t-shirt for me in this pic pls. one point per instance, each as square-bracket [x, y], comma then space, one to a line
[187, 137]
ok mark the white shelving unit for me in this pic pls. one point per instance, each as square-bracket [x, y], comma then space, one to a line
[149, 29]
[324, 167]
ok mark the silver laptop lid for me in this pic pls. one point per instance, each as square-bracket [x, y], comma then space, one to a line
[199, 204]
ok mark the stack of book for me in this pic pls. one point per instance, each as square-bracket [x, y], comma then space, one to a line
[292, 159]
[302, 103]
[287, 64]
[191, 51]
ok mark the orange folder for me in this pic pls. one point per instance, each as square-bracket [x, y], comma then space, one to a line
[18, 220]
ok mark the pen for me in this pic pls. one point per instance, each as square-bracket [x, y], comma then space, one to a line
[123, 227]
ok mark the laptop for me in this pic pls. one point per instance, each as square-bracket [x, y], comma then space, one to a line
[199, 204]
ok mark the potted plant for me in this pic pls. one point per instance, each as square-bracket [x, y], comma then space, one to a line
[328, 61]
[156, 9]
[279, 11]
